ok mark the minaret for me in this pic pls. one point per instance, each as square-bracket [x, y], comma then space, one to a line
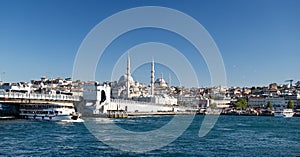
[128, 75]
[152, 77]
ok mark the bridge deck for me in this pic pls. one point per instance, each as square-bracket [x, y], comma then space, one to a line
[14, 97]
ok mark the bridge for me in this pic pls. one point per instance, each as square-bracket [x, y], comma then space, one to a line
[16, 97]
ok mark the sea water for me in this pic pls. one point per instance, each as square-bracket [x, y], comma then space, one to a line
[231, 136]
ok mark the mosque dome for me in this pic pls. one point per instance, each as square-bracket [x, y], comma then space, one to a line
[160, 82]
[123, 80]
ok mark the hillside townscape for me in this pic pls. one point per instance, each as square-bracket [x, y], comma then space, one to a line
[232, 100]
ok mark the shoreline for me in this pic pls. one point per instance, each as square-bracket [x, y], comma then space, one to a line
[142, 114]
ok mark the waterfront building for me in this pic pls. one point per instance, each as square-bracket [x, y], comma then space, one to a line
[262, 101]
[187, 100]
[298, 104]
[277, 102]
[220, 103]
[157, 99]
[97, 101]
[294, 97]
[257, 102]
[203, 102]
[96, 98]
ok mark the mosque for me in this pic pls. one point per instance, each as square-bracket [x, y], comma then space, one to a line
[127, 88]
[128, 95]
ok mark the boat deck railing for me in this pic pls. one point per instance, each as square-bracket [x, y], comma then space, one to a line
[36, 96]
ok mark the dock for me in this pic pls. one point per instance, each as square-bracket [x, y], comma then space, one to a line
[159, 113]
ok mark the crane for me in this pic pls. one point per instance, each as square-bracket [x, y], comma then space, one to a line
[291, 84]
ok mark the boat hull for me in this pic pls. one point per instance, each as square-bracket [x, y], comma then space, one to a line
[49, 117]
[286, 113]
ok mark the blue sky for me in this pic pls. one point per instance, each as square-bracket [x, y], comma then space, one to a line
[259, 39]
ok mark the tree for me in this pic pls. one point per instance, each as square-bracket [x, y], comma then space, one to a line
[291, 104]
[77, 81]
[269, 105]
[213, 105]
[177, 90]
[241, 103]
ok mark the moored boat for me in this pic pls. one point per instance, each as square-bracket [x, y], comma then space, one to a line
[117, 114]
[211, 111]
[51, 112]
[284, 113]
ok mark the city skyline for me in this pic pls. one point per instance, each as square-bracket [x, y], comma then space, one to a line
[258, 40]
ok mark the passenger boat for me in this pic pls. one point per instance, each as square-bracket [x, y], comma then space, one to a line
[117, 114]
[284, 113]
[210, 111]
[51, 112]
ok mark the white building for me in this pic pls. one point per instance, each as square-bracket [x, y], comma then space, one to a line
[277, 102]
[96, 98]
[257, 102]
[205, 102]
[161, 99]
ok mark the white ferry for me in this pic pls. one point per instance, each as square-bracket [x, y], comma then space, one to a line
[284, 113]
[51, 112]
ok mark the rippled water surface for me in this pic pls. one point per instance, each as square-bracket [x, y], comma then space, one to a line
[231, 136]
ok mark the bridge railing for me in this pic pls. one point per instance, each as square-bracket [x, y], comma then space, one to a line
[132, 102]
[35, 96]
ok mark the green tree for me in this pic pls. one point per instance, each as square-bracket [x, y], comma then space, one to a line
[290, 104]
[269, 105]
[241, 103]
[77, 81]
[213, 105]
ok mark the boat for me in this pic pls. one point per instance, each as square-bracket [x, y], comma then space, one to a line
[212, 111]
[284, 113]
[117, 114]
[50, 112]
